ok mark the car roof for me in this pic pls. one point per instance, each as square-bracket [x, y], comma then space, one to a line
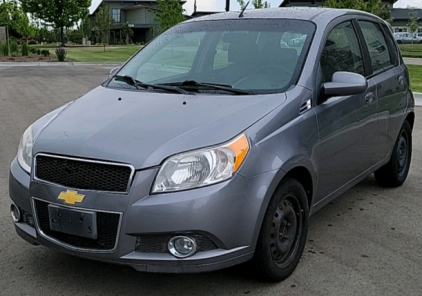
[299, 13]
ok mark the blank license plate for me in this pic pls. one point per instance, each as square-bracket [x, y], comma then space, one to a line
[79, 223]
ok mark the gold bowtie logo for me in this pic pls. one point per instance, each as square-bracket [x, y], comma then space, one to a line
[71, 197]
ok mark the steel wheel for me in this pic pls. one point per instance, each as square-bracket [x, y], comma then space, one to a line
[395, 172]
[283, 232]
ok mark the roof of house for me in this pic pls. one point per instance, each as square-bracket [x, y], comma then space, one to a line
[202, 13]
[145, 3]
[284, 3]
[404, 13]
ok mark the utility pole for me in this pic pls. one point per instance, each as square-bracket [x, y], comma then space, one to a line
[227, 5]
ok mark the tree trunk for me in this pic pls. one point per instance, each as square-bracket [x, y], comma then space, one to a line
[127, 39]
[62, 36]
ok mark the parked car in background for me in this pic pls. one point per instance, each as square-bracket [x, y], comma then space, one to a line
[214, 144]
[407, 38]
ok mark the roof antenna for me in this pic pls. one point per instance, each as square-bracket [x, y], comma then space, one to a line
[244, 8]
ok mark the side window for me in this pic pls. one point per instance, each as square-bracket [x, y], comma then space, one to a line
[341, 52]
[377, 46]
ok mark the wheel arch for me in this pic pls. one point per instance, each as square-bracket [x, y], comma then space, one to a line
[304, 177]
[411, 119]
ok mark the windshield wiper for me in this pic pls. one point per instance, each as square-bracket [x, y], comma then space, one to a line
[136, 83]
[224, 87]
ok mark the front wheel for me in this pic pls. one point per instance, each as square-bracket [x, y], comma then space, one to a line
[394, 173]
[283, 232]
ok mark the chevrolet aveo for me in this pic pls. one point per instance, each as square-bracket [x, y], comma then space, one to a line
[214, 144]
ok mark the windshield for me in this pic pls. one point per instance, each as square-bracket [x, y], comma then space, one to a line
[255, 55]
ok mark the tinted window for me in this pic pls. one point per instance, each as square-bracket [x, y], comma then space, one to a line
[377, 46]
[341, 52]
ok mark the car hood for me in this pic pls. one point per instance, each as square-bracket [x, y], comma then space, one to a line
[143, 128]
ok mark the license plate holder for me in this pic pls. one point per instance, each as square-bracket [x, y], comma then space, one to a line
[76, 222]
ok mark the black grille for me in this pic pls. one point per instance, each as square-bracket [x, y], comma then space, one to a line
[158, 243]
[27, 218]
[83, 175]
[107, 227]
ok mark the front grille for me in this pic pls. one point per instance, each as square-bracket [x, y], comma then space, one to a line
[80, 174]
[107, 228]
[158, 243]
[27, 218]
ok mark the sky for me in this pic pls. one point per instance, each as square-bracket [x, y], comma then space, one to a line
[220, 5]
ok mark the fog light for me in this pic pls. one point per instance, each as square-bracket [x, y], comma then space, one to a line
[182, 246]
[16, 214]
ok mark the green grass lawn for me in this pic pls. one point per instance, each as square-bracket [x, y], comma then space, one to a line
[415, 77]
[411, 50]
[97, 54]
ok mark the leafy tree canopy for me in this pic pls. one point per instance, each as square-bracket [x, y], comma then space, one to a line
[59, 13]
[413, 24]
[103, 23]
[169, 13]
[372, 6]
[260, 4]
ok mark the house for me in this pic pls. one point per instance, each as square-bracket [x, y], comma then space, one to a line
[317, 3]
[138, 13]
[400, 16]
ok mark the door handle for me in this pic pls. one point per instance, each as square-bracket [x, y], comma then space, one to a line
[369, 98]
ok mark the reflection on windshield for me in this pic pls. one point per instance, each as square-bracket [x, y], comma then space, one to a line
[256, 55]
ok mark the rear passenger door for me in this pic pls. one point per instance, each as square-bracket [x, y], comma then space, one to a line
[391, 84]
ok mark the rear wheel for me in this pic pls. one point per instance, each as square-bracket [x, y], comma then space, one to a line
[283, 232]
[395, 172]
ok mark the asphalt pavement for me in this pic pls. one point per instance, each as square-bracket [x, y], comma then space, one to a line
[366, 242]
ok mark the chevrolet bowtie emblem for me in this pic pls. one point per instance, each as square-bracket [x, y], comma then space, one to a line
[71, 197]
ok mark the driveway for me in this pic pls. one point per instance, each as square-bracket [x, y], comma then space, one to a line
[367, 242]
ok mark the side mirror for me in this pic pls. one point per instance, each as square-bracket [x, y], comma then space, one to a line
[345, 84]
[113, 71]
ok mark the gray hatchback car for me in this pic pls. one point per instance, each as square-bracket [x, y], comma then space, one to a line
[214, 144]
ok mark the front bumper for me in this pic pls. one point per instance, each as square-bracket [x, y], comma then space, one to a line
[227, 214]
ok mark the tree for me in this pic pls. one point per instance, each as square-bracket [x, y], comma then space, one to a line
[127, 32]
[242, 4]
[103, 23]
[58, 13]
[412, 24]
[260, 4]
[169, 13]
[372, 6]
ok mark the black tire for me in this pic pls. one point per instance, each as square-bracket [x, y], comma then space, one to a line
[395, 172]
[399, 42]
[283, 233]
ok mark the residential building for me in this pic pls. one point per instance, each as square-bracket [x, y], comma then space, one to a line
[400, 16]
[138, 13]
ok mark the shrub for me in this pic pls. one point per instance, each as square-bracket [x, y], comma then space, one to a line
[45, 52]
[25, 49]
[61, 54]
[33, 50]
[3, 49]
[14, 46]
[38, 51]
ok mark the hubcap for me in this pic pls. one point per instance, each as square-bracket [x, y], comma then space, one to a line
[285, 231]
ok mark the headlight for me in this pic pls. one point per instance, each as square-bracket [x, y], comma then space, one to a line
[202, 167]
[25, 150]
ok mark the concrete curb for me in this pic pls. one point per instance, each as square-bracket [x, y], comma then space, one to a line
[418, 98]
